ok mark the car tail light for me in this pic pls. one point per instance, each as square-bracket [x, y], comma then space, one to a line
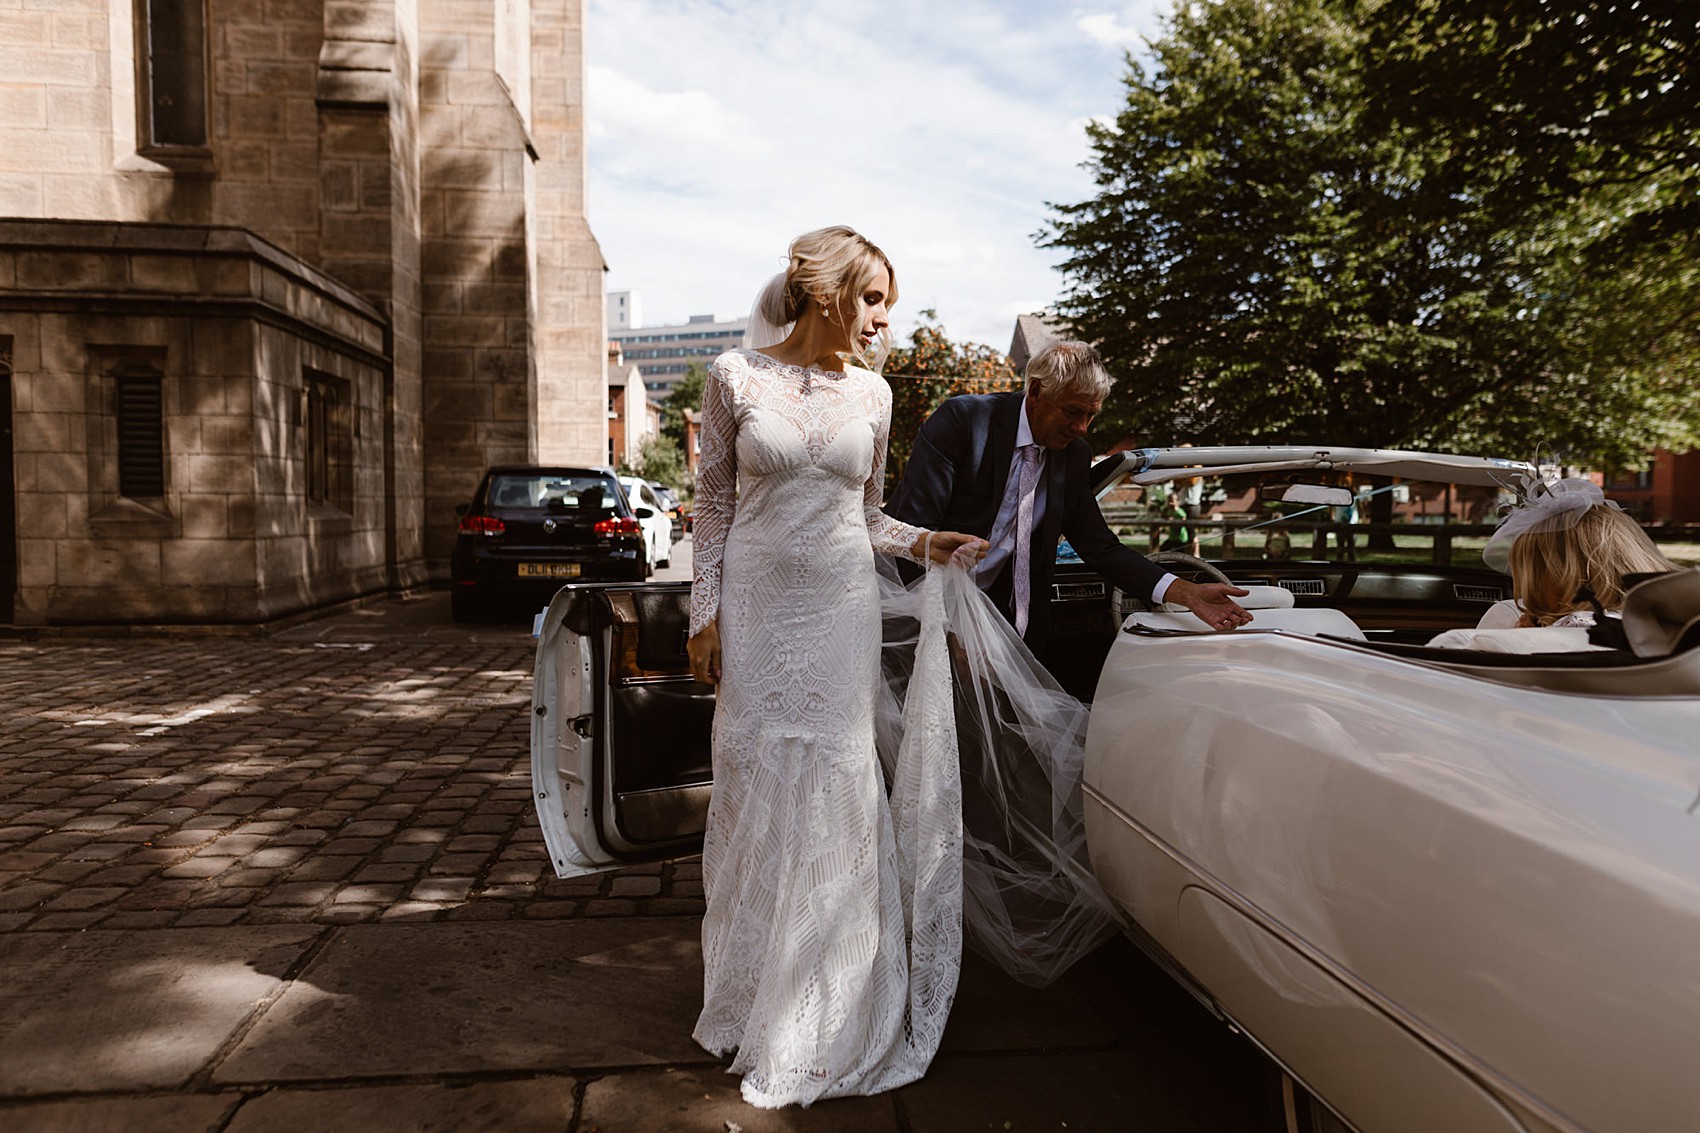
[482, 525]
[619, 525]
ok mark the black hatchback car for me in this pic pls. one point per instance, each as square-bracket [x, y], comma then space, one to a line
[530, 528]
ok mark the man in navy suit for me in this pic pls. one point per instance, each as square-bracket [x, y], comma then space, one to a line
[977, 453]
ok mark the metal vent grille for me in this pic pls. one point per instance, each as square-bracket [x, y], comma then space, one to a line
[1078, 591]
[141, 440]
[1307, 586]
[1476, 593]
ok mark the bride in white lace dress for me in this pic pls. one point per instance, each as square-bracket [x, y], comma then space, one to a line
[831, 941]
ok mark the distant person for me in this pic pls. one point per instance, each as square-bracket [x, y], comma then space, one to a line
[1179, 535]
[1562, 543]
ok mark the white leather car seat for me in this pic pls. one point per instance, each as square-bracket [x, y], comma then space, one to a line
[1272, 608]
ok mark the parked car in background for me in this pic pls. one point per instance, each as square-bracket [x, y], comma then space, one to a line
[1444, 888]
[652, 516]
[675, 510]
[530, 528]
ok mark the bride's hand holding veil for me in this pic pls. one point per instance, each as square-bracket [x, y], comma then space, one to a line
[938, 547]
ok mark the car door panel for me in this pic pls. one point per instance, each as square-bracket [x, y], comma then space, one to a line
[620, 731]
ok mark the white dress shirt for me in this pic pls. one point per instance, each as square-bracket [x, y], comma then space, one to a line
[1002, 545]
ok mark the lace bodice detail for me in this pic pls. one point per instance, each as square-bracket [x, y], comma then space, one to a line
[754, 410]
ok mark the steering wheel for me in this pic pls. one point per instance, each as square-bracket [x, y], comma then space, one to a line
[1191, 562]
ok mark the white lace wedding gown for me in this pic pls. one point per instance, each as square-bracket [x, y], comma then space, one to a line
[833, 934]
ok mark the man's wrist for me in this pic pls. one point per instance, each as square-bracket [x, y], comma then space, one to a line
[1159, 591]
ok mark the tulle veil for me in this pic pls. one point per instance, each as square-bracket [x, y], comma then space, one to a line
[1030, 902]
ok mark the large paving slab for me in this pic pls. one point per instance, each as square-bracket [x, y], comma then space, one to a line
[533, 1105]
[994, 1013]
[1104, 1092]
[187, 1114]
[82, 1012]
[469, 998]
[706, 1100]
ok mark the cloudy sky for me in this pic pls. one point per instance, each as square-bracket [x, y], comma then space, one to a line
[719, 129]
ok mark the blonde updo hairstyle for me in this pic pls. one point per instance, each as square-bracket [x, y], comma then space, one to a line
[831, 267]
[1551, 562]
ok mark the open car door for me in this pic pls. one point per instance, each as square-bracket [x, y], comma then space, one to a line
[620, 765]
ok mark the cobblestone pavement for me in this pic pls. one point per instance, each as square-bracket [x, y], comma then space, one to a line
[295, 882]
[148, 783]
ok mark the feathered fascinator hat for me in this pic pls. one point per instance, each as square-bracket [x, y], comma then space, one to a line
[1549, 505]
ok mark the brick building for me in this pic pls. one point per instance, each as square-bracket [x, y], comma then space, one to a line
[633, 417]
[278, 279]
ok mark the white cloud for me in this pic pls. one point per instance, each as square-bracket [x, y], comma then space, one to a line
[1126, 29]
[720, 130]
[620, 105]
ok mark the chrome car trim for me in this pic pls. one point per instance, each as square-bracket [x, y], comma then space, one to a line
[1490, 1080]
[1476, 593]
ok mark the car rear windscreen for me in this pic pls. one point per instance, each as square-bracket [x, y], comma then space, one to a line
[552, 492]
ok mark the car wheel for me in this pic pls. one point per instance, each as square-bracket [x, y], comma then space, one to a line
[464, 605]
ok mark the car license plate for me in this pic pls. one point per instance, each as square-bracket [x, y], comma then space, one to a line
[548, 570]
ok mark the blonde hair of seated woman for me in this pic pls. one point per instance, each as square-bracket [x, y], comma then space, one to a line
[1552, 562]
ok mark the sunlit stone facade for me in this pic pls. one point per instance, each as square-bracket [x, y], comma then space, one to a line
[278, 279]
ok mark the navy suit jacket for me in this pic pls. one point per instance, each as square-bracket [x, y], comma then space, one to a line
[955, 481]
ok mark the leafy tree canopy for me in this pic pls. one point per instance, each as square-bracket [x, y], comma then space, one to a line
[686, 394]
[1271, 257]
[662, 461]
[929, 369]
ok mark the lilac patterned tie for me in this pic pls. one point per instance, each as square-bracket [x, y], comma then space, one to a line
[1031, 457]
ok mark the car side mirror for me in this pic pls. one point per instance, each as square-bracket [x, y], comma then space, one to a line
[643, 513]
[1305, 494]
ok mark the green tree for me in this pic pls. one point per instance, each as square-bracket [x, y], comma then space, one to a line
[1269, 259]
[1556, 97]
[1587, 111]
[686, 394]
[929, 369]
[660, 460]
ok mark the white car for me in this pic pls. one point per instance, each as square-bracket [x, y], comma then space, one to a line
[1445, 889]
[653, 518]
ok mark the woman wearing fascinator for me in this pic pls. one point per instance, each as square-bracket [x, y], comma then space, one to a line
[838, 875]
[1564, 540]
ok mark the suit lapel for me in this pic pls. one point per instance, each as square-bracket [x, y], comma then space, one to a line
[1005, 420]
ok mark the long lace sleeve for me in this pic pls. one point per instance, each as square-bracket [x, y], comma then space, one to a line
[716, 497]
[889, 536]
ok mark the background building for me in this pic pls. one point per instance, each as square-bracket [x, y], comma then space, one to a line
[625, 310]
[663, 353]
[277, 282]
[633, 417]
[1032, 334]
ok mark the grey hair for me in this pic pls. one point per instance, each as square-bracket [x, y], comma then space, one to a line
[1067, 367]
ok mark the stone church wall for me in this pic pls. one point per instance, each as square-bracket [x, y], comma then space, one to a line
[388, 209]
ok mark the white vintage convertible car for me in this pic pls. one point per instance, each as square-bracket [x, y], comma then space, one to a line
[1445, 889]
